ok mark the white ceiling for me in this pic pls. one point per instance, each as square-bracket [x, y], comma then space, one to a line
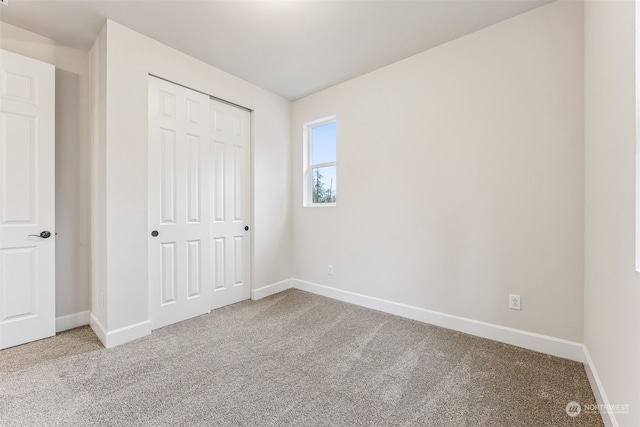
[292, 48]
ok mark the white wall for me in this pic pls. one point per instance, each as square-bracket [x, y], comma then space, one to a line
[612, 286]
[99, 291]
[460, 178]
[72, 163]
[130, 57]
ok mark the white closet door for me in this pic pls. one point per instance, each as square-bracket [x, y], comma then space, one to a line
[231, 204]
[27, 199]
[179, 214]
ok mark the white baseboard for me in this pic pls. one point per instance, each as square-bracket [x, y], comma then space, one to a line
[128, 333]
[119, 336]
[608, 417]
[98, 329]
[532, 341]
[271, 289]
[70, 321]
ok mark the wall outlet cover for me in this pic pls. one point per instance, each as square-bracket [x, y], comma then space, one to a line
[515, 302]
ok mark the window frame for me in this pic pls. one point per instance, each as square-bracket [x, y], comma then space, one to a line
[309, 166]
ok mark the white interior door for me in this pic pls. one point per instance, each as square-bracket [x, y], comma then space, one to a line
[179, 175]
[230, 204]
[27, 199]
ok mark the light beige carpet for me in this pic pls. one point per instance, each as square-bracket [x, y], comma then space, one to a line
[292, 359]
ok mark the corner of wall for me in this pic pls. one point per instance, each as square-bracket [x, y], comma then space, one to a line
[271, 289]
[97, 74]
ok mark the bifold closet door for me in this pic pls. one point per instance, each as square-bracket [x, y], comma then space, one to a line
[27, 199]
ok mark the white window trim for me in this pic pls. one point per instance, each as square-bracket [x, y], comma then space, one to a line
[307, 196]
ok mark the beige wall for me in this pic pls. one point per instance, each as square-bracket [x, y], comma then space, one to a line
[98, 69]
[130, 57]
[460, 178]
[72, 163]
[612, 286]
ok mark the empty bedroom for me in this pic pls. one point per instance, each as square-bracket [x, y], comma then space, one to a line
[319, 213]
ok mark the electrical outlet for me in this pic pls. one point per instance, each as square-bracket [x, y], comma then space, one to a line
[330, 270]
[515, 302]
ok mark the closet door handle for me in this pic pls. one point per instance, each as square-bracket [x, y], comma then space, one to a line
[154, 233]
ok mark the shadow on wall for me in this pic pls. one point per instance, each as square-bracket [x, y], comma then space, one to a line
[72, 198]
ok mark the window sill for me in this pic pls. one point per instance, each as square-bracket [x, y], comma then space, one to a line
[320, 205]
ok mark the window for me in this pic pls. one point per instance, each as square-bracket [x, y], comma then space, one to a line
[320, 162]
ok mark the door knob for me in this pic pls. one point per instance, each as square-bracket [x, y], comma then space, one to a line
[43, 235]
[246, 228]
[155, 233]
